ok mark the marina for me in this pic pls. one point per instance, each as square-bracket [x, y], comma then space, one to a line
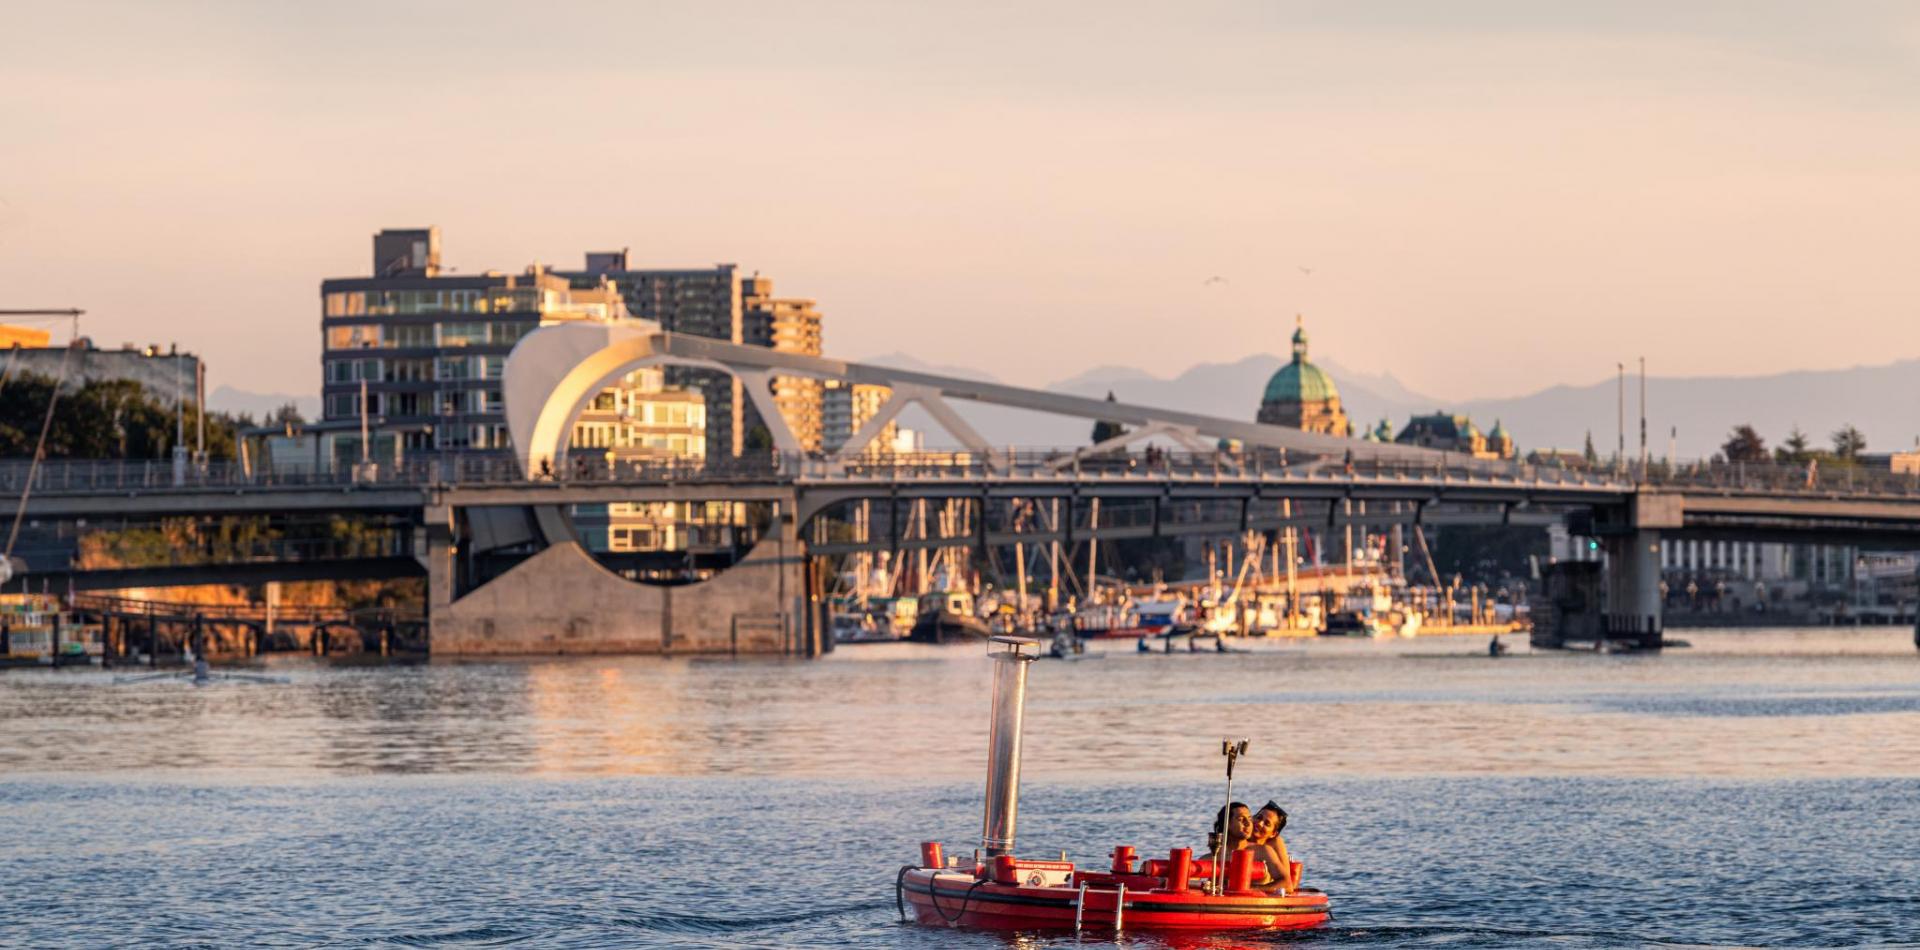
[1305, 601]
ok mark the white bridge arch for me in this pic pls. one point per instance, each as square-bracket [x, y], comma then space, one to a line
[555, 371]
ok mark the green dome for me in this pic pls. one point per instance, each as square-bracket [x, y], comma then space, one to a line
[1300, 381]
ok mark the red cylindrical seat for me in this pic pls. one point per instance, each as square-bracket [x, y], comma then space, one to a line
[1240, 872]
[931, 856]
[1179, 868]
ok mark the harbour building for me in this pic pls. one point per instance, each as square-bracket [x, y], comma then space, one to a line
[845, 407]
[427, 347]
[1300, 395]
[787, 325]
[641, 419]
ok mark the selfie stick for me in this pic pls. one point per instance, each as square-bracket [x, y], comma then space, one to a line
[1233, 750]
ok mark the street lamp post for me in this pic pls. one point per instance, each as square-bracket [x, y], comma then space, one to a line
[1620, 454]
[1643, 416]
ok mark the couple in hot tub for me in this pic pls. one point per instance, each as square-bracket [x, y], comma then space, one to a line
[1259, 832]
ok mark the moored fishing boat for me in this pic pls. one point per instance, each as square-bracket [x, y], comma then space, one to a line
[849, 627]
[946, 617]
[36, 629]
[1147, 618]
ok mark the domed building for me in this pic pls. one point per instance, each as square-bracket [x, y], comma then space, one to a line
[1453, 433]
[1303, 396]
[1500, 441]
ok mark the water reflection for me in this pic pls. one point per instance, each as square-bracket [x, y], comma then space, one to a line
[1792, 703]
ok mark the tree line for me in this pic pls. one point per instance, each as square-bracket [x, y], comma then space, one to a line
[1745, 444]
[113, 419]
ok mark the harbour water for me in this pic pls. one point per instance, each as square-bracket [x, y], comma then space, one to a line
[1760, 788]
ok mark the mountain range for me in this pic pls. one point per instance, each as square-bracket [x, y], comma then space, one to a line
[1694, 414]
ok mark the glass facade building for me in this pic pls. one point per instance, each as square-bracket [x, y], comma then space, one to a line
[428, 348]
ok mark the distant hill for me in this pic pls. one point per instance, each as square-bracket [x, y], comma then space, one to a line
[1882, 401]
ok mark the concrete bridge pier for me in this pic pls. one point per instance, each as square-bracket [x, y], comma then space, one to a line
[562, 601]
[434, 549]
[1633, 589]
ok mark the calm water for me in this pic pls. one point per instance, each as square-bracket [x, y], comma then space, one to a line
[1758, 789]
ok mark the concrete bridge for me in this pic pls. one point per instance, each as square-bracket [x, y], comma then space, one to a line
[506, 572]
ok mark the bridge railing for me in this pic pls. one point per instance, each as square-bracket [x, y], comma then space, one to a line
[91, 476]
[1809, 478]
[1067, 465]
[61, 476]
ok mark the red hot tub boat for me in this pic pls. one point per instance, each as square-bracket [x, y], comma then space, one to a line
[1002, 892]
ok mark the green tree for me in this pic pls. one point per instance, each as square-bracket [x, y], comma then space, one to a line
[1794, 448]
[1849, 442]
[1588, 453]
[286, 415]
[1744, 445]
[102, 419]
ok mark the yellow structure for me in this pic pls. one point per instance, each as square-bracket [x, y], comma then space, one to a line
[23, 337]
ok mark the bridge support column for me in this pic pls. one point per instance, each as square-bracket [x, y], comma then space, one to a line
[433, 548]
[1633, 589]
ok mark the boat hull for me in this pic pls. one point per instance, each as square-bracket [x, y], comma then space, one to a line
[1118, 633]
[958, 899]
[948, 628]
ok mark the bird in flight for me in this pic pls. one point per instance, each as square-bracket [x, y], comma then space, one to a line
[1307, 271]
[1215, 279]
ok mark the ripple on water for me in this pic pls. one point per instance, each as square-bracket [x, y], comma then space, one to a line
[726, 862]
[1706, 797]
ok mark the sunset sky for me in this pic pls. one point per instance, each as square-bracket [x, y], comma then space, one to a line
[1492, 197]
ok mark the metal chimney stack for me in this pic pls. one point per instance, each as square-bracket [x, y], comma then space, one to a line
[1003, 741]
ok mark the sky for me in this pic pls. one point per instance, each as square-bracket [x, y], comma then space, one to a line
[1483, 197]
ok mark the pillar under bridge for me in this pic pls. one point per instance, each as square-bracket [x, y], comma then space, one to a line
[1633, 589]
[1615, 603]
